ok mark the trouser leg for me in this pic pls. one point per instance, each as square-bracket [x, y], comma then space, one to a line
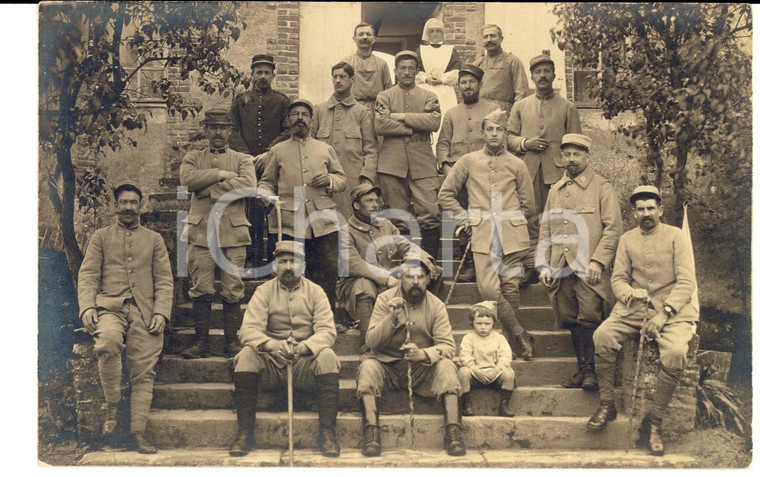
[246, 397]
[370, 425]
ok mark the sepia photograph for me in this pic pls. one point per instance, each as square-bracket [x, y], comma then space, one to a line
[394, 235]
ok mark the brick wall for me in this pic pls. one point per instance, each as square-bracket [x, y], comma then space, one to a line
[463, 22]
[285, 48]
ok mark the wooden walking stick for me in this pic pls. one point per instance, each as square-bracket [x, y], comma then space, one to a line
[459, 270]
[278, 208]
[291, 458]
[409, 325]
[636, 374]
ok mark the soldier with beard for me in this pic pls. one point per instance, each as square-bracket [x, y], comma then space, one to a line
[304, 173]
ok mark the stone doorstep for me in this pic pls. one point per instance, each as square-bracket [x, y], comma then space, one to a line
[174, 369]
[395, 458]
[526, 400]
[548, 343]
[216, 428]
[532, 317]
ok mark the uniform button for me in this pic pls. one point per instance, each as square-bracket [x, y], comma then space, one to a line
[131, 271]
[216, 213]
[567, 195]
[131, 284]
[303, 170]
[129, 233]
[130, 259]
[565, 222]
[542, 127]
[566, 250]
[129, 246]
[307, 200]
[649, 266]
[469, 129]
[337, 119]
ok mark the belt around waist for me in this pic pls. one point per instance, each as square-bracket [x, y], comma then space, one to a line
[418, 137]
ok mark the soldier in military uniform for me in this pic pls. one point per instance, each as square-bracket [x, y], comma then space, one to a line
[209, 174]
[259, 117]
[372, 73]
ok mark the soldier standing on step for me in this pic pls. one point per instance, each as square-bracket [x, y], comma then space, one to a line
[372, 73]
[501, 201]
[429, 351]
[406, 169]
[653, 279]
[209, 174]
[584, 206]
[125, 294]
[288, 306]
[371, 243]
[460, 134]
[260, 117]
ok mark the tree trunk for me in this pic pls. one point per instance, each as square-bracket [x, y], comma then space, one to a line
[679, 183]
[66, 213]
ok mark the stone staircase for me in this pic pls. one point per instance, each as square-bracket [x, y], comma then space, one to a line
[192, 421]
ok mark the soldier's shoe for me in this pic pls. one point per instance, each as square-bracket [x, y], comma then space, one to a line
[452, 440]
[328, 443]
[590, 383]
[141, 444]
[242, 444]
[504, 409]
[576, 382]
[371, 446]
[109, 425]
[607, 412]
[467, 405]
[232, 349]
[530, 278]
[650, 435]
[198, 350]
[526, 341]
[467, 275]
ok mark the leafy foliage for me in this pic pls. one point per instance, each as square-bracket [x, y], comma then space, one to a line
[93, 55]
[686, 69]
[718, 405]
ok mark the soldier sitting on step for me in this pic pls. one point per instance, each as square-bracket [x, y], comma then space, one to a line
[410, 326]
[288, 319]
[486, 359]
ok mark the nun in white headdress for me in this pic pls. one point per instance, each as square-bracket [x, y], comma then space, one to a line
[439, 66]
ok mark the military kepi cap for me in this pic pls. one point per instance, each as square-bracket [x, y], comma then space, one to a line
[576, 140]
[262, 59]
[499, 116]
[288, 246]
[126, 185]
[302, 102]
[414, 257]
[471, 70]
[363, 189]
[643, 192]
[406, 55]
[217, 116]
[540, 59]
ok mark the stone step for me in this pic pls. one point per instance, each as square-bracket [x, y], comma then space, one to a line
[174, 369]
[396, 458]
[547, 344]
[526, 400]
[464, 293]
[171, 429]
[532, 317]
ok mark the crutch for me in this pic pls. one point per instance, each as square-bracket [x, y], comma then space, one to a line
[409, 383]
[636, 374]
[459, 270]
[291, 458]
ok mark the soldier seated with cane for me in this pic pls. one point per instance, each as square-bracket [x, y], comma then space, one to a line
[410, 339]
[653, 280]
[287, 320]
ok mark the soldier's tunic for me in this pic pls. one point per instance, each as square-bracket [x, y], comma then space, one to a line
[460, 130]
[372, 76]
[504, 81]
[199, 172]
[660, 262]
[582, 222]
[349, 128]
[406, 166]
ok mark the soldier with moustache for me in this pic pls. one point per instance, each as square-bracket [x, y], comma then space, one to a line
[372, 72]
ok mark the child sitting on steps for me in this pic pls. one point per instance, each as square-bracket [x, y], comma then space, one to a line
[486, 359]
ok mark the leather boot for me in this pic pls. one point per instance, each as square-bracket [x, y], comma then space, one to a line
[526, 341]
[467, 405]
[452, 419]
[504, 409]
[576, 382]
[371, 446]
[605, 371]
[141, 444]
[650, 434]
[431, 239]
[111, 420]
[327, 406]
[246, 396]
[232, 320]
[467, 275]
[590, 381]
[202, 318]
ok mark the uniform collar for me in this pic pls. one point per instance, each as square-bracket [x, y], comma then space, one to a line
[333, 101]
[583, 180]
[545, 98]
[494, 154]
[302, 141]
[283, 287]
[217, 151]
[137, 224]
[362, 226]
[653, 231]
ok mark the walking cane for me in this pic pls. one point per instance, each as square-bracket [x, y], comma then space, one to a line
[636, 377]
[459, 270]
[291, 458]
[409, 383]
[279, 219]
